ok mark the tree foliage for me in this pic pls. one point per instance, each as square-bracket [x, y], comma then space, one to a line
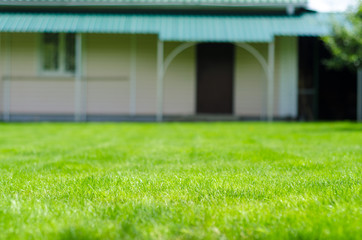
[345, 43]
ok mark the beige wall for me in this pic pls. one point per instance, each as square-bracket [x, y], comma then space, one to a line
[24, 54]
[107, 55]
[107, 96]
[249, 83]
[146, 83]
[2, 61]
[29, 92]
[107, 64]
[44, 96]
[1, 97]
[107, 70]
[180, 82]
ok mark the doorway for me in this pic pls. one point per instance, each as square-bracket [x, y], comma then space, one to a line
[215, 75]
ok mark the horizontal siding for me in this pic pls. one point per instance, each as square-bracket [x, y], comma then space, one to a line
[46, 96]
[146, 94]
[108, 97]
[107, 70]
[29, 92]
[2, 66]
[107, 55]
[24, 54]
[180, 82]
[1, 96]
[3, 60]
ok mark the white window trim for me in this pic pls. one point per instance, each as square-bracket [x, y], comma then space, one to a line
[61, 59]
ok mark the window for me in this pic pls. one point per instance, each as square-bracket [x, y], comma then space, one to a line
[58, 53]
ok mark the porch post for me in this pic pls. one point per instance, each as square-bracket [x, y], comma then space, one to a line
[84, 80]
[78, 116]
[133, 76]
[359, 95]
[7, 79]
[270, 84]
[159, 116]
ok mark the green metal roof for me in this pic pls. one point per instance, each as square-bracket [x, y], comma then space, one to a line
[158, 2]
[206, 28]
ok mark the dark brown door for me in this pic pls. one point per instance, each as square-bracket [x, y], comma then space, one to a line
[215, 68]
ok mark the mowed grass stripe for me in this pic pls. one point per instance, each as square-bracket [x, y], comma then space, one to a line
[181, 181]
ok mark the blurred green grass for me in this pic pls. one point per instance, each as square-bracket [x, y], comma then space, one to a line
[181, 181]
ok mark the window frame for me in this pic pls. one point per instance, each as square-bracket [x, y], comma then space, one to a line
[61, 71]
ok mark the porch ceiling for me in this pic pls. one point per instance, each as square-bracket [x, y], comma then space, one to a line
[189, 28]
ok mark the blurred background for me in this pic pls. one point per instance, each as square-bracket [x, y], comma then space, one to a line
[331, 5]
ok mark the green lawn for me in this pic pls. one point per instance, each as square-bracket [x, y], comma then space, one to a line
[181, 181]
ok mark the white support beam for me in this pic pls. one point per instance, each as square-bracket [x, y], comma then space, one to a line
[6, 99]
[359, 95]
[287, 100]
[84, 80]
[78, 115]
[270, 83]
[7, 79]
[133, 76]
[160, 86]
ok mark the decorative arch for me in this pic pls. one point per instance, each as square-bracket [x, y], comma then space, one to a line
[266, 64]
[253, 51]
[184, 46]
[174, 53]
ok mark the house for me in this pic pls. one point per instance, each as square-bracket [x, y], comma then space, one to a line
[146, 60]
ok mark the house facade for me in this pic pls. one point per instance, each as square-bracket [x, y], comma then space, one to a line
[153, 59]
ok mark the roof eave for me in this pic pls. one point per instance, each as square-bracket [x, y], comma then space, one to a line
[190, 5]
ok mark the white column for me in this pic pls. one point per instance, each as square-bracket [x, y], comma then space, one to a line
[159, 81]
[270, 84]
[288, 77]
[84, 80]
[133, 76]
[7, 78]
[6, 98]
[359, 95]
[78, 78]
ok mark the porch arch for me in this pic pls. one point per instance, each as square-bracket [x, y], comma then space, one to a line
[267, 66]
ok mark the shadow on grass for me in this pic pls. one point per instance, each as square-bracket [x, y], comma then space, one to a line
[337, 127]
[125, 230]
[76, 233]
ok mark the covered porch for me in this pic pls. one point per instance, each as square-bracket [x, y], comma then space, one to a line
[135, 70]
